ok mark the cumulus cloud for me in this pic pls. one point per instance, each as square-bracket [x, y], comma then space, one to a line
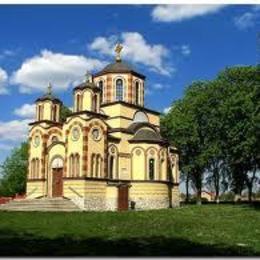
[60, 69]
[247, 19]
[178, 13]
[3, 81]
[25, 111]
[14, 131]
[137, 50]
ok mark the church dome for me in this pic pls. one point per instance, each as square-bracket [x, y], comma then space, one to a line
[119, 67]
[48, 96]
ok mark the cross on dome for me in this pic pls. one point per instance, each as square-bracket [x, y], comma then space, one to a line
[118, 50]
[49, 89]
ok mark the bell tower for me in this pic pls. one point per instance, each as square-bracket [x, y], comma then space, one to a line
[48, 107]
[87, 96]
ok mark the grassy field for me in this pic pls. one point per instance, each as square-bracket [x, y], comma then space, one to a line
[186, 231]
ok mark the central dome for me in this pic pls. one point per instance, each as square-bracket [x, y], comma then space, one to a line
[119, 67]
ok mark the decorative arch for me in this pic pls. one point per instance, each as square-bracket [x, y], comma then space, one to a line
[74, 165]
[112, 162]
[137, 91]
[102, 87]
[138, 162]
[119, 88]
[152, 162]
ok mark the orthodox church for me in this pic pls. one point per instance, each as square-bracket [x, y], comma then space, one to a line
[108, 154]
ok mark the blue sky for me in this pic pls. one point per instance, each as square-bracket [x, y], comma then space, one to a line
[171, 45]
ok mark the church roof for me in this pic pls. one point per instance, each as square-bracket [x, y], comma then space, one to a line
[88, 83]
[49, 96]
[84, 85]
[119, 67]
[144, 134]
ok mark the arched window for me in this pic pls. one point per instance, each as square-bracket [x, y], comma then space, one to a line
[137, 92]
[101, 86]
[119, 90]
[94, 104]
[77, 164]
[78, 103]
[32, 168]
[40, 112]
[111, 167]
[54, 115]
[151, 169]
[37, 168]
[97, 165]
[93, 159]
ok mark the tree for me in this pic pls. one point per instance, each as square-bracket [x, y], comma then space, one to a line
[14, 171]
[64, 113]
[216, 128]
[184, 126]
[240, 116]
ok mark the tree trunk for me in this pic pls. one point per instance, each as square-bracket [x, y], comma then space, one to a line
[250, 183]
[198, 197]
[250, 191]
[187, 188]
[216, 183]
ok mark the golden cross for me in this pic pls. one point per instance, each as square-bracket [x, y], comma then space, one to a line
[118, 50]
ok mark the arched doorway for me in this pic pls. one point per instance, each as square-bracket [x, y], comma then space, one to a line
[57, 174]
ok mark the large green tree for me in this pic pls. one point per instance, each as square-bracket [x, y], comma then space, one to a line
[13, 172]
[216, 128]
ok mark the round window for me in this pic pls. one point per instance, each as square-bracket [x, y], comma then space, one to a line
[36, 141]
[96, 135]
[75, 134]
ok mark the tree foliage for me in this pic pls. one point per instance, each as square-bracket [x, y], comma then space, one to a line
[14, 169]
[64, 113]
[215, 126]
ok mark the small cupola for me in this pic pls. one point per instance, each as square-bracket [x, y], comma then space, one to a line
[87, 96]
[48, 107]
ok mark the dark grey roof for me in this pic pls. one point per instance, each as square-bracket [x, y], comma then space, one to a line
[87, 84]
[135, 126]
[145, 132]
[146, 135]
[49, 96]
[119, 67]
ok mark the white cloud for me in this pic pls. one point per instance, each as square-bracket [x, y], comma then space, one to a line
[185, 50]
[137, 50]
[25, 111]
[178, 13]
[166, 110]
[247, 19]
[14, 131]
[60, 69]
[3, 81]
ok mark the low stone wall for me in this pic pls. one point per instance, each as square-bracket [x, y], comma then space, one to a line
[35, 189]
[149, 195]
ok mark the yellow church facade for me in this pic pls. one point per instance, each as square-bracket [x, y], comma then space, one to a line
[108, 154]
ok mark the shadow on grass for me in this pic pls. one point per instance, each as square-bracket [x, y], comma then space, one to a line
[12, 244]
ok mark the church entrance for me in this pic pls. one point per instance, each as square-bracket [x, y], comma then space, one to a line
[57, 175]
[123, 197]
[57, 183]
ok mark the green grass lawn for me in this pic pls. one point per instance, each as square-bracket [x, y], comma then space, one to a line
[189, 231]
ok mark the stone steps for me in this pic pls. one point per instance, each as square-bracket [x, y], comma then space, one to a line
[45, 204]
